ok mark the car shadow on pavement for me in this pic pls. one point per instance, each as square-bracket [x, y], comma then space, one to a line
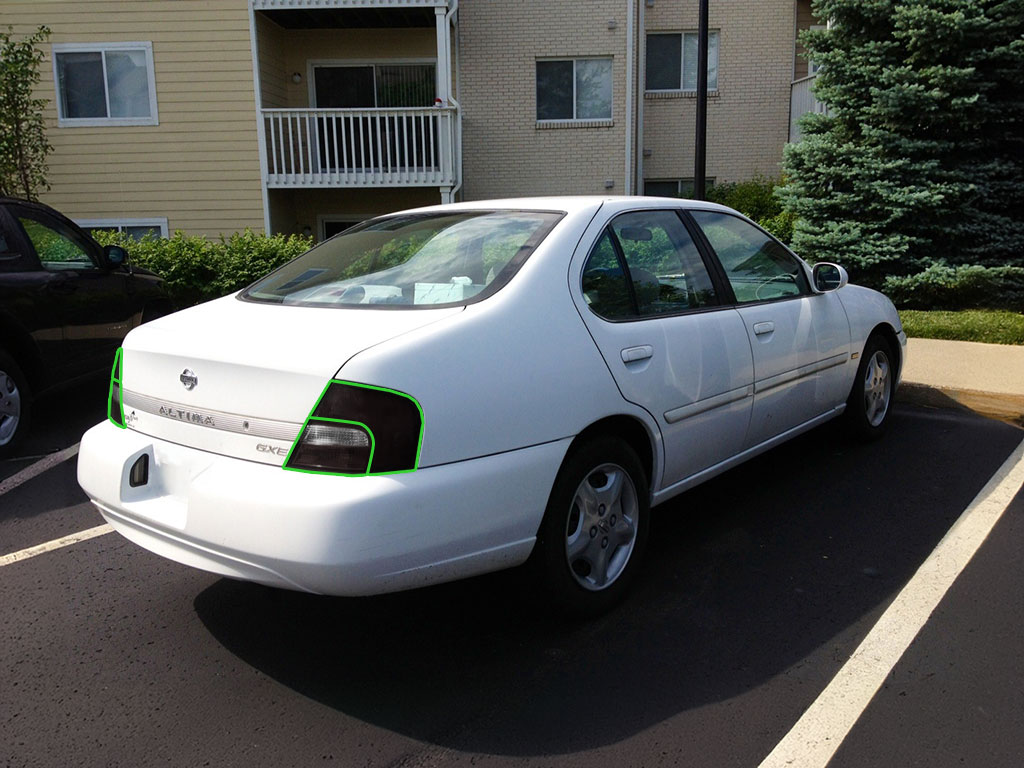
[776, 568]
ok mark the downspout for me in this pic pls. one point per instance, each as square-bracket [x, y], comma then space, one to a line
[630, 88]
[457, 148]
[641, 79]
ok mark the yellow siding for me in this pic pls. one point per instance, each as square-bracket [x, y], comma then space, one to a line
[199, 167]
[294, 210]
[348, 45]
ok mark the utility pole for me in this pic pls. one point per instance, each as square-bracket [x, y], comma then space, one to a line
[700, 144]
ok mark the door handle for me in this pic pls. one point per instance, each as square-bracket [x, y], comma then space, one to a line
[760, 329]
[632, 354]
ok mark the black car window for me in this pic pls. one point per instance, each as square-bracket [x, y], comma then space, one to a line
[57, 245]
[666, 273]
[604, 283]
[11, 257]
[757, 266]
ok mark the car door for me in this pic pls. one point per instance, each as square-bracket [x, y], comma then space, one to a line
[89, 298]
[651, 306]
[800, 340]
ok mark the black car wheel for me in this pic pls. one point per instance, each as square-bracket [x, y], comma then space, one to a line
[592, 538]
[870, 401]
[15, 404]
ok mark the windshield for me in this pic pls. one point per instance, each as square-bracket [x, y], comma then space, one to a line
[413, 260]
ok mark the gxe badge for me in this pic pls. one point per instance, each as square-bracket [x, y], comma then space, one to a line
[188, 379]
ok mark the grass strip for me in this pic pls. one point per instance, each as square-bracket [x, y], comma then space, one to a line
[990, 326]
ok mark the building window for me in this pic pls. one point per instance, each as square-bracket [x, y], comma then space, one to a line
[134, 228]
[574, 89]
[104, 84]
[672, 187]
[363, 86]
[672, 62]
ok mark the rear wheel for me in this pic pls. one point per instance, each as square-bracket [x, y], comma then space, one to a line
[15, 404]
[592, 538]
[870, 402]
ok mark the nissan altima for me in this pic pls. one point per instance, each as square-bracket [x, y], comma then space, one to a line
[453, 390]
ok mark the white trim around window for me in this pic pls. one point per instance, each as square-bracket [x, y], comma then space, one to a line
[591, 105]
[114, 67]
[159, 224]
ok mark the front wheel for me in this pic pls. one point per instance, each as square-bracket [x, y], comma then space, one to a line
[870, 402]
[15, 404]
[592, 538]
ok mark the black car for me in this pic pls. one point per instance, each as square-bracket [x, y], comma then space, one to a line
[65, 305]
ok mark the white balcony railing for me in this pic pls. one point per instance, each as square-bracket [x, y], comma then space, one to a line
[410, 147]
[802, 101]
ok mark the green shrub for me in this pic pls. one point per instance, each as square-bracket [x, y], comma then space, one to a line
[963, 287]
[196, 269]
[755, 199]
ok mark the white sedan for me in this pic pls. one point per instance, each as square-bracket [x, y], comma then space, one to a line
[452, 390]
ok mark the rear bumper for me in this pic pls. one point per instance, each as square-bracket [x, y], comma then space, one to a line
[320, 533]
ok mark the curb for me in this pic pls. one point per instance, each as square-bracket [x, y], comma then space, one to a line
[995, 405]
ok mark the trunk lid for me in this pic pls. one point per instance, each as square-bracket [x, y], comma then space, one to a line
[239, 378]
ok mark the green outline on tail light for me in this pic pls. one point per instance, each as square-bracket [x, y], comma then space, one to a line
[116, 377]
[373, 439]
[318, 420]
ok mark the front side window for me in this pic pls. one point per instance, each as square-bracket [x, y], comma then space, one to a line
[758, 267]
[105, 84]
[574, 89]
[57, 247]
[411, 261]
[672, 61]
[646, 264]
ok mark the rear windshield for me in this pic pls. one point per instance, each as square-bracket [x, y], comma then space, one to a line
[408, 261]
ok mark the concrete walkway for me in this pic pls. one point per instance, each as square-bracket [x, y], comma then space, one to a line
[987, 378]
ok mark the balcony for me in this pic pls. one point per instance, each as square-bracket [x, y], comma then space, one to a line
[376, 147]
[802, 101]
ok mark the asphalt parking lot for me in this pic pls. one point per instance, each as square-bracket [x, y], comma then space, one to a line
[759, 587]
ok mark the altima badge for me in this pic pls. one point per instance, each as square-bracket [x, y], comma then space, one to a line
[189, 379]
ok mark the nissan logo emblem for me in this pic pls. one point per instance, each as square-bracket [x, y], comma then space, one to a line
[188, 379]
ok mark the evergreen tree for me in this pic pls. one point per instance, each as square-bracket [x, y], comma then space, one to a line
[920, 158]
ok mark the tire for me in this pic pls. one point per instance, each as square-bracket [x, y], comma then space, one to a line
[592, 538]
[870, 403]
[15, 404]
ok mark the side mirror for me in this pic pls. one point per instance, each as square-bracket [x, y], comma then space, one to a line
[115, 255]
[828, 277]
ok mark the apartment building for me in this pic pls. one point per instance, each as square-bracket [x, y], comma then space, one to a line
[211, 116]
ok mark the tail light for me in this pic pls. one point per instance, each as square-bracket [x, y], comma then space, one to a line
[115, 404]
[358, 429]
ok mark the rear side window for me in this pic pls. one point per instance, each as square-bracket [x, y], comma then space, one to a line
[411, 261]
[646, 264]
[758, 267]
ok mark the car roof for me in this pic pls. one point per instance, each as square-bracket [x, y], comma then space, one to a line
[572, 203]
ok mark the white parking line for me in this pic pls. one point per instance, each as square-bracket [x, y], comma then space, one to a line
[38, 468]
[818, 733]
[39, 549]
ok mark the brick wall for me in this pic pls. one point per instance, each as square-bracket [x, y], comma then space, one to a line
[748, 117]
[504, 151]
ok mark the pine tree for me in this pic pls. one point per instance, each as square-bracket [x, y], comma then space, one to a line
[920, 158]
